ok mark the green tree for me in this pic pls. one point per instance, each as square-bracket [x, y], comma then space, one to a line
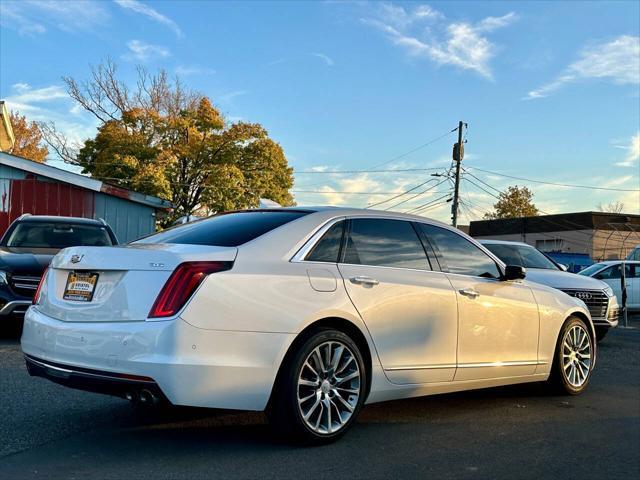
[164, 140]
[28, 139]
[514, 202]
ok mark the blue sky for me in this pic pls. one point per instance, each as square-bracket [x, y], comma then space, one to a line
[550, 90]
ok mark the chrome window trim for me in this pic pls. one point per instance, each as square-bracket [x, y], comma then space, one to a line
[300, 255]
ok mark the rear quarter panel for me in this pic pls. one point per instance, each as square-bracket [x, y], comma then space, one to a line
[266, 292]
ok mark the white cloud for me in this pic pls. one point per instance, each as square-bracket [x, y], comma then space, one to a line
[11, 17]
[425, 33]
[633, 152]
[52, 104]
[26, 96]
[187, 71]
[30, 16]
[147, 11]
[328, 60]
[143, 52]
[617, 61]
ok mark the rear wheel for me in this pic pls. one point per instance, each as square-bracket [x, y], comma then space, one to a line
[573, 359]
[601, 332]
[320, 390]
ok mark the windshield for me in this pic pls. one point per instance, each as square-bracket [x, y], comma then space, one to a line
[225, 230]
[57, 235]
[591, 270]
[521, 255]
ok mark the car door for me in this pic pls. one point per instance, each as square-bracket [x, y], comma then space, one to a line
[498, 321]
[409, 309]
[612, 276]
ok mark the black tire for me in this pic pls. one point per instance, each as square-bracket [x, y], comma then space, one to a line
[601, 332]
[285, 414]
[560, 381]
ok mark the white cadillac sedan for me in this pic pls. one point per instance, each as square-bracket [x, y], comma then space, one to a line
[307, 313]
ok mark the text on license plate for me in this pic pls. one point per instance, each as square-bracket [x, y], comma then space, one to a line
[80, 286]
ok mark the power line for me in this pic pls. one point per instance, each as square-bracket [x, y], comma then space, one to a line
[420, 147]
[547, 220]
[392, 170]
[427, 204]
[400, 194]
[590, 187]
[416, 195]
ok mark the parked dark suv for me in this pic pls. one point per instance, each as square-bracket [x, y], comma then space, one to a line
[28, 246]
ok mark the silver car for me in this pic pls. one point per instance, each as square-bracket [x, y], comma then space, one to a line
[307, 313]
[599, 297]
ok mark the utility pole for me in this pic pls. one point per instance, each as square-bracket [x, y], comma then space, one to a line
[458, 154]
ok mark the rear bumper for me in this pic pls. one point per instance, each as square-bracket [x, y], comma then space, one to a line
[189, 366]
[125, 386]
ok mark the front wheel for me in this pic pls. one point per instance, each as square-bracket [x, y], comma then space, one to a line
[321, 389]
[573, 359]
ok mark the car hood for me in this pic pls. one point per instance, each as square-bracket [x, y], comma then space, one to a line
[25, 261]
[563, 280]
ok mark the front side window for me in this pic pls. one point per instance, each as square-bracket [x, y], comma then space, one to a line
[458, 254]
[57, 235]
[328, 248]
[384, 243]
[615, 272]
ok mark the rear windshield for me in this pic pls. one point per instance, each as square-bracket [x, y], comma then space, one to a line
[226, 230]
[57, 235]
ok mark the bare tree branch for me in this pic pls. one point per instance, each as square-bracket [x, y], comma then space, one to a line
[60, 144]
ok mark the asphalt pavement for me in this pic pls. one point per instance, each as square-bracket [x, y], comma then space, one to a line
[48, 431]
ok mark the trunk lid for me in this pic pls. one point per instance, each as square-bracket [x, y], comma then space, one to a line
[129, 279]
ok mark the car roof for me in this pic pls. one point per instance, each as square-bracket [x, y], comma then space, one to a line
[55, 219]
[616, 262]
[331, 211]
[501, 242]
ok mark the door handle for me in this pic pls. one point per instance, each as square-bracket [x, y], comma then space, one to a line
[362, 280]
[469, 292]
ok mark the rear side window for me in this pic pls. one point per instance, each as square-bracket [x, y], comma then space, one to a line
[458, 254]
[328, 248]
[385, 243]
[226, 230]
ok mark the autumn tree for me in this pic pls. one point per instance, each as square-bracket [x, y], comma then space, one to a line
[28, 139]
[514, 202]
[164, 140]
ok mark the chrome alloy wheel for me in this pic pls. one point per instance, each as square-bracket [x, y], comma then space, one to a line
[328, 387]
[576, 355]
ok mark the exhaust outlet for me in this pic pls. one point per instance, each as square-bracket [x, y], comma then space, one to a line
[148, 397]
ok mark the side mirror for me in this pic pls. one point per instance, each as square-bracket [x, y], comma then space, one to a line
[514, 272]
[563, 267]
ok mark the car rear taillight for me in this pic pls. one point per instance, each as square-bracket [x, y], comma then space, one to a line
[184, 280]
[36, 296]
